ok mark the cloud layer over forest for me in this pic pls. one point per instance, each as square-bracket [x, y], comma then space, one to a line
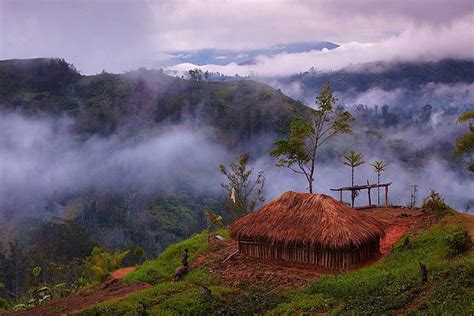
[42, 161]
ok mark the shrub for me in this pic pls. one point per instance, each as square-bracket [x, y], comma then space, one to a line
[99, 265]
[162, 268]
[4, 304]
[458, 241]
[434, 204]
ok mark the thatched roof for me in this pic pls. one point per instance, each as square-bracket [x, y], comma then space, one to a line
[303, 218]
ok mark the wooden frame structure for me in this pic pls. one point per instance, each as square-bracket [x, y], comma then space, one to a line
[367, 187]
[339, 258]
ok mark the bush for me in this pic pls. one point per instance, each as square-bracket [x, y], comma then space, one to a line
[99, 265]
[162, 268]
[458, 241]
[4, 304]
[434, 204]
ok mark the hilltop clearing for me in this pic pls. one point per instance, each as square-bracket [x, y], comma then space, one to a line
[391, 283]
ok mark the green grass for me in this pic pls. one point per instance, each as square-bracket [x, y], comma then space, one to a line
[162, 268]
[169, 298]
[392, 284]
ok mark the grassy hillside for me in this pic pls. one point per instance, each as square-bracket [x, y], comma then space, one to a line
[391, 285]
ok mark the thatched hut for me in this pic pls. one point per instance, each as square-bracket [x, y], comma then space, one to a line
[309, 228]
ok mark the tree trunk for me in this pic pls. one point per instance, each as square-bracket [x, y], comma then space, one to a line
[352, 176]
[378, 189]
[310, 186]
[352, 191]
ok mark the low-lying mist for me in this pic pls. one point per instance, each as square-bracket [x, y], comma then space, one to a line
[42, 161]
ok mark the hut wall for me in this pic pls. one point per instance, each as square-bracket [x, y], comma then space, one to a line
[329, 258]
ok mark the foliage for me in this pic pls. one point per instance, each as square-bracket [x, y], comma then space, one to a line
[353, 160]
[254, 302]
[434, 204]
[402, 75]
[388, 286]
[4, 305]
[393, 282]
[99, 265]
[214, 221]
[458, 240]
[465, 144]
[60, 242]
[298, 152]
[167, 296]
[15, 269]
[163, 267]
[197, 75]
[379, 166]
[245, 191]
[299, 303]
[36, 272]
[138, 252]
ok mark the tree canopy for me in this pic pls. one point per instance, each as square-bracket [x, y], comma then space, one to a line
[298, 152]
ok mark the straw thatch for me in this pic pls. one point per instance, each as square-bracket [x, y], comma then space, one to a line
[309, 223]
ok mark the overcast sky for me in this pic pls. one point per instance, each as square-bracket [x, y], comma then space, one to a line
[118, 35]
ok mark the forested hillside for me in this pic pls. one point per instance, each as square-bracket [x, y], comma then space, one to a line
[387, 75]
[124, 109]
[238, 110]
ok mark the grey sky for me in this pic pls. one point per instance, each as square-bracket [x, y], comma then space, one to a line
[118, 35]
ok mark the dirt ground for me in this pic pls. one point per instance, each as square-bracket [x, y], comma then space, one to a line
[241, 270]
[120, 273]
[238, 270]
[112, 289]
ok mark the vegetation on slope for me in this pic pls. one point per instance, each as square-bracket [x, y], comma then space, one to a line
[392, 284]
[388, 76]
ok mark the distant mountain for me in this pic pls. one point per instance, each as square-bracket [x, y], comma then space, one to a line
[224, 57]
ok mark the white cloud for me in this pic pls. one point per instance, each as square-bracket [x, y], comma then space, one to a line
[414, 43]
[124, 34]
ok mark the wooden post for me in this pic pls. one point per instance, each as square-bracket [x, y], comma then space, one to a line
[423, 273]
[340, 195]
[386, 196]
[370, 201]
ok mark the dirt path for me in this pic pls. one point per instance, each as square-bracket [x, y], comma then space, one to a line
[112, 289]
[120, 273]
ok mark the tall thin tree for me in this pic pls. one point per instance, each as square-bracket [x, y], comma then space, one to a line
[353, 160]
[379, 166]
[298, 152]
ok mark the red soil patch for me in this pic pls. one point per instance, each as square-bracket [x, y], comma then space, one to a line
[242, 270]
[73, 304]
[120, 273]
[392, 235]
